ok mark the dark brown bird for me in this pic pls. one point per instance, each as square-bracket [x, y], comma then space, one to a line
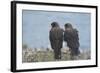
[56, 39]
[72, 39]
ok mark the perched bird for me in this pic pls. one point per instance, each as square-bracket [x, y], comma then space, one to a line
[72, 39]
[56, 39]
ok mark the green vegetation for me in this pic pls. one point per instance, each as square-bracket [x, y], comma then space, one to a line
[44, 56]
[24, 46]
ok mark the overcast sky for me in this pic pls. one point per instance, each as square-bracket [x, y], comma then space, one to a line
[36, 26]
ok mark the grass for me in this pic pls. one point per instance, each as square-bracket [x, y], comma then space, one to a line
[29, 55]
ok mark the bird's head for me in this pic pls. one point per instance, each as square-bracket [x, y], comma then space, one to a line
[54, 24]
[68, 25]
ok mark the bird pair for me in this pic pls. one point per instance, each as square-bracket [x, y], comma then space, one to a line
[57, 37]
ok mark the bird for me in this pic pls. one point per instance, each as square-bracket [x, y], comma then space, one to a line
[71, 37]
[56, 39]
